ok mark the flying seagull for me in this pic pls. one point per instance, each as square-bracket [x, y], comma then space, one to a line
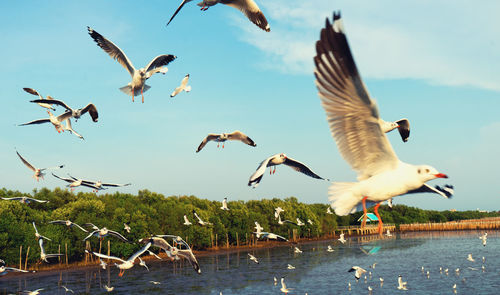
[483, 238]
[68, 127]
[236, 135]
[186, 221]
[37, 235]
[341, 238]
[4, 269]
[125, 264]
[280, 222]
[253, 258]
[77, 113]
[56, 121]
[270, 236]
[355, 125]
[299, 222]
[401, 284]
[140, 76]
[68, 223]
[284, 289]
[182, 87]
[24, 200]
[43, 255]
[73, 182]
[275, 160]
[104, 232]
[358, 271]
[126, 227]
[98, 185]
[277, 212]
[38, 171]
[43, 105]
[224, 205]
[201, 222]
[247, 7]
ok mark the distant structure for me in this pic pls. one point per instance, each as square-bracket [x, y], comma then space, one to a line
[369, 217]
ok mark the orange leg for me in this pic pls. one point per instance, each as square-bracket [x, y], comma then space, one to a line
[222, 145]
[274, 171]
[121, 273]
[363, 223]
[380, 223]
[142, 95]
[133, 94]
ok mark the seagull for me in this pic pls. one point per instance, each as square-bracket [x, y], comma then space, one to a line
[355, 125]
[270, 236]
[381, 282]
[224, 205]
[140, 76]
[43, 105]
[68, 127]
[36, 292]
[373, 265]
[454, 288]
[109, 289]
[349, 286]
[402, 125]
[484, 259]
[43, 255]
[253, 258]
[284, 289]
[126, 227]
[178, 249]
[329, 249]
[457, 270]
[428, 274]
[280, 222]
[74, 182]
[125, 264]
[341, 239]
[104, 232]
[275, 281]
[153, 254]
[24, 200]
[370, 289]
[143, 263]
[290, 266]
[102, 264]
[401, 284]
[56, 121]
[68, 223]
[67, 289]
[297, 250]
[98, 185]
[483, 238]
[182, 87]
[309, 221]
[388, 233]
[201, 222]
[258, 229]
[90, 108]
[4, 269]
[248, 7]
[186, 221]
[275, 160]
[38, 171]
[39, 236]
[329, 211]
[277, 212]
[155, 282]
[469, 257]
[235, 135]
[358, 271]
[299, 222]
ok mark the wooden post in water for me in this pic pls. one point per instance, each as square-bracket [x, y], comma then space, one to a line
[216, 238]
[100, 245]
[26, 261]
[212, 240]
[59, 252]
[227, 241]
[20, 256]
[66, 246]
[109, 249]
[237, 240]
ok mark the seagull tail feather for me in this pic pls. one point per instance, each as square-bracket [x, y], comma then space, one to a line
[137, 91]
[343, 198]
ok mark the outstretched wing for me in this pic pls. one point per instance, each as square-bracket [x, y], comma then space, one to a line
[114, 51]
[69, 180]
[39, 121]
[209, 137]
[300, 167]
[52, 101]
[178, 9]
[238, 135]
[118, 235]
[252, 11]
[92, 111]
[404, 129]
[26, 162]
[256, 177]
[108, 257]
[160, 61]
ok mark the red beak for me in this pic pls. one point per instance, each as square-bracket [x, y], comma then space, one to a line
[441, 175]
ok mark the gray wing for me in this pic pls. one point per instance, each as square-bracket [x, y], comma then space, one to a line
[300, 167]
[32, 91]
[114, 51]
[64, 116]
[52, 101]
[118, 235]
[36, 200]
[92, 110]
[209, 137]
[115, 185]
[39, 121]
[140, 252]
[62, 222]
[108, 257]
[404, 129]
[251, 10]
[178, 9]
[69, 180]
[91, 234]
[160, 61]
[446, 191]
[238, 135]
[74, 224]
[352, 115]
[256, 177]
[188, 254]
[26, 162]
[91, 225]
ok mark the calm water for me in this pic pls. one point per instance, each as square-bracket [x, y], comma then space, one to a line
[317, 271]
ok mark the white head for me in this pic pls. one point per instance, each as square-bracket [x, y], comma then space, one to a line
[426, 173]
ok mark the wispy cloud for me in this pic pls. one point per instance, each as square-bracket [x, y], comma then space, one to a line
[436, 41]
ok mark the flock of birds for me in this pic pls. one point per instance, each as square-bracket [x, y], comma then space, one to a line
[351, 113]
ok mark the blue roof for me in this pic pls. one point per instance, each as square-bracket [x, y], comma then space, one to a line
[369, 217]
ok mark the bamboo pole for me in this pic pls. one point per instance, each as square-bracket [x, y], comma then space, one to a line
[26, 261]
[109, 249]
[216, 246]
[59, 256]
[66, 247]
[227, 241]
[20, 256]
[237, 240]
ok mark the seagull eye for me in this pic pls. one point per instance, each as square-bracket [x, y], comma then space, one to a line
[426, 170]
[419, 171]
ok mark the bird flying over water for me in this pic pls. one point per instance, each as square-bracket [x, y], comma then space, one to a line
[104, 232]
[43, 255]
[248, 7]
[483, 238]
[38, 171]
[236, 135]
[68, 223]
[139, 77]
[355, 125]
[125, 264]
[253, 258]
[358, 271]
[401, 284]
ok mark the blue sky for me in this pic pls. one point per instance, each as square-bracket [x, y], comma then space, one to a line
[433, 62]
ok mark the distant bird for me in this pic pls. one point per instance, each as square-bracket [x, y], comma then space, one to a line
[284, 289]
[140, 76]
[355, 125]
[358, 271]
[280, 222]
[422, 269]
[182, 87]
[484, 259]
[275, 160]
[428, 274]
[275, 281]
[401, 284]
[74, 182]
[454, 288]
[297, 250]
[37, 235]
[224, 205]
[4, 269]
[44, 256]
[186, 221]
[178, 249]
[68, 223]
[271, 236]
[341, 239]
[235, 135]
[36, 292]
[102, 264]
[299, 222]
[104, 232]
[258, 229]
[457, 270]
[248, 7]
[483, 238]
[68, 127]
[98, 185]
[329, 211]
[349, 286]
[57, 122]
[253, 258]
[370, 289]
[329, 249]
[77, 113]
[402, 125]
[143, 263]
[277, 212]
[381, 282]
[43, 105]
[125, 264]
[289, 266]
[201, 222]
[446, 271]
[24, 200]
[38, 171]
[126, 227]
[109, 289]
[309, 221]
[373, 265]
[388, 233]
[67, 289]
[155, 282]
[469, 257]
